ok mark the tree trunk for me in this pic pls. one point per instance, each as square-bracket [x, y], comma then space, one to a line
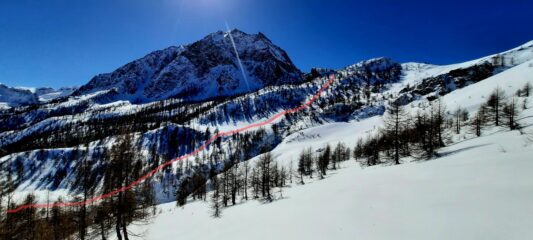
[102, 230]
[119, 217]
[124, 229]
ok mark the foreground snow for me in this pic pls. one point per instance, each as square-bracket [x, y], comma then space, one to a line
[479, 189]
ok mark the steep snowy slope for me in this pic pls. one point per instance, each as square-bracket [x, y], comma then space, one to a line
[421, 80]
[505, 60]
[473, 96]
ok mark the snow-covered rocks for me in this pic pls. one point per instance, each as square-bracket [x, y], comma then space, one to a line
[205, 69]
[14, 97]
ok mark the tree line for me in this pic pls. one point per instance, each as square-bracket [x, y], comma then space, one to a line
[93, 221]
[240, 180]
[422, 133]
[231, 179]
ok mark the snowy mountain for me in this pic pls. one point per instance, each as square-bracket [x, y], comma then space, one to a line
[47, 94]
[173, 100]
[21, 96]
[361, 91]
[462, 193]
[205, 69]
[13, 97]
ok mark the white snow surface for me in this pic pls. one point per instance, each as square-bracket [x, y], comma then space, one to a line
[480, 189]
[318, 137]
[471, 97]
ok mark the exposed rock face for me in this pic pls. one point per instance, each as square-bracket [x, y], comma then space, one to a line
[442, 84]
[205, 69]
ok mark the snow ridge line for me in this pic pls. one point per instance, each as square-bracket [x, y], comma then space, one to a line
[170, 162]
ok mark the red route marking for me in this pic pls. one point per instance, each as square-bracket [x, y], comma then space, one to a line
[158, 168]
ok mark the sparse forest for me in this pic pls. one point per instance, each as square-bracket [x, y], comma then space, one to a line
[421, 134]
[226, 178]
[92, 221]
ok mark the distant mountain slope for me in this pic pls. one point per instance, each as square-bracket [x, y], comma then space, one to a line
[14, 97]
[202, 70]
[46, 94]
[21, 96]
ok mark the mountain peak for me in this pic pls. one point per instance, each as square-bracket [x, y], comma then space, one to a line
[373, 64]
[205, 69]
[222, 37]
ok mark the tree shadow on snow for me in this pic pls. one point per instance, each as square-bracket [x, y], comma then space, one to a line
[453, 152]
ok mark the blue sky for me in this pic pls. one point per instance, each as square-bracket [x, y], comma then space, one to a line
[65, 42]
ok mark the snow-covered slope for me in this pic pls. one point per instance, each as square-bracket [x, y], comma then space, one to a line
[14, 97]
[48, 94]
[418, 71]
[509, 81]
[20, 96]
[421, 80]
[480, 189]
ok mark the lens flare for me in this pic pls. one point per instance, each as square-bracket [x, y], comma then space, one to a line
[238, 57]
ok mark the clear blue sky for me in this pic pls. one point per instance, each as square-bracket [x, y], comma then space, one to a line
[66, 42]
